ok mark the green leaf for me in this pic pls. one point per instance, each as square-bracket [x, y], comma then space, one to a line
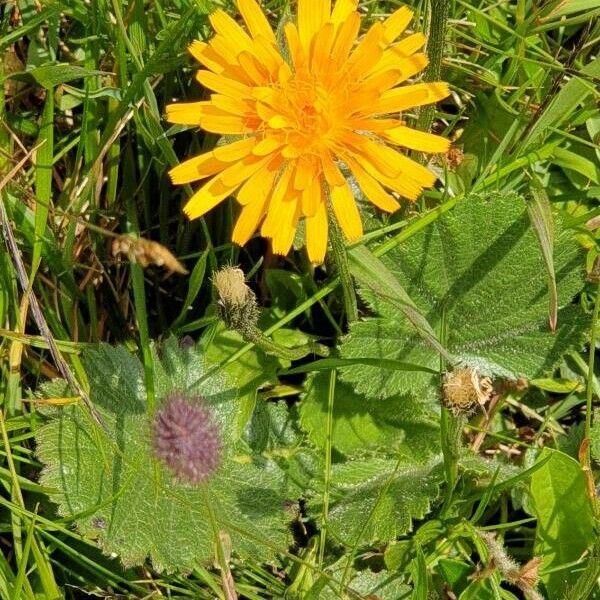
[250, 372]
[477, 275]
[376, 499]
[455, 573]
[372, 273]
[565, 528]
[115, 491]
[399, 425]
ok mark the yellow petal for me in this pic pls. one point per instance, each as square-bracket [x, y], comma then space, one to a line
[321, 49]
[345, 39]
[283, 237]
[312, 197]
[223, 24]
[242, 169]
[255, 20]
[276, 211]
[367, 54]
[410, 44]
[204, 54]
[236, 150]
[223, 85]
[342, 10]
[235, 106]
[267, 145]
[296, 51]
[410, 96]
[316, 235]
[416, 140]
[226, 125]
[254, 69]
[260, 184]
[312, 14]
[396, 23]
[405, 66]
[346, 211]
[186, 113]
[196, 168]
[372, 189]
[248, 220]
[207, 197]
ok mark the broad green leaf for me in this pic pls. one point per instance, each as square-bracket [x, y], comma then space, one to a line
[115, 491]
[399, 425]
[478, 276]
[250, 372]
[364, 583]
[565, 526]
[376, 499]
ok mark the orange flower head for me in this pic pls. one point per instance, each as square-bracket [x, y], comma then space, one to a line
[331, 103]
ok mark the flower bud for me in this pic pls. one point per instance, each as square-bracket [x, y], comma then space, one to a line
[463, 390]
[186, 438]
[237, 303]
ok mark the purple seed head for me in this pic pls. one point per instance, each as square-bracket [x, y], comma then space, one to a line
[187, 439]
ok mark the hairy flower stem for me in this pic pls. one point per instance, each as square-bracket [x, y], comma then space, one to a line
[438, 22]
[589, 399]
[451, 427]
[340, 257]
[267, 345]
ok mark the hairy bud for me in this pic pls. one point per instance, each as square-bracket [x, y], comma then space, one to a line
[463, 390]
[187, 439]
[237, 303]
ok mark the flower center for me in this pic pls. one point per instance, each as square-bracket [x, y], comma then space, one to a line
[308, 115]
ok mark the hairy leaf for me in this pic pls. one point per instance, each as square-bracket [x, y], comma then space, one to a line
[478, 277]
[376, 499]
[114, 489]
[401, 424]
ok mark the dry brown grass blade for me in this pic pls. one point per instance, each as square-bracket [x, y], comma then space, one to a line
[36, 311]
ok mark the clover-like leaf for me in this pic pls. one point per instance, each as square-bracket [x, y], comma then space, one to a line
[477, 275]
[115, 489]
[400, 425]
[376, 499]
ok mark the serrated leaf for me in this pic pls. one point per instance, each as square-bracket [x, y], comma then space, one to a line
[115, 491]
[376, 499]
[399, 425]
[478, 275]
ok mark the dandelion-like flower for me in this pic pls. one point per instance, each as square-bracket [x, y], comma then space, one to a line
[187, 439]
[328, 102]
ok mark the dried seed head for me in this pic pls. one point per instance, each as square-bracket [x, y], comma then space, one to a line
[187, 439]
[463, 390]
[146, 252]
[237, 302]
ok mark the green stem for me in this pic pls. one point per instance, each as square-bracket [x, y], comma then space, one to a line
[266, 344]
[589, 401]
[440, 9]
[327, 474]
[451, 428]
[591, 360]
[340, 257]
